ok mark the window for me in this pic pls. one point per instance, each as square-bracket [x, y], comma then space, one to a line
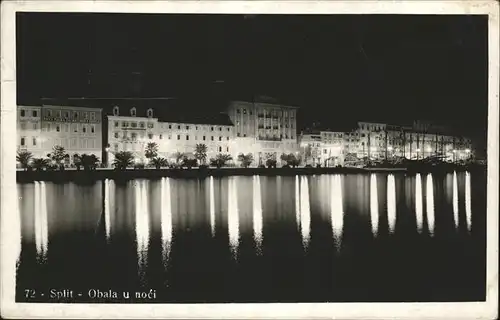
[133, 112]
[237, 110]
[220, 149]
[160, 136]
[170, 126]
[187, 127]
[150, 113]
[196, 128]
[244, 111]
[142, 125]
[244, 135]
[227, 149]
[49, 113]
[204, 138]
[23, 126]
[187, 137]
[84, 128]
[116, 124]
[220, 128]
[212, 138]
[178, 127]
[34, 141]
[133, 124]
[35, 126]
[116, 134]
[211, 128]
[23, 141]
[134, 136]
[220, 138]
[75, 127]
[169, 137]
[116, 111]
[75, 115]
[238, 134]
[92, 128]
[58, 128]
[227, 139]
[23, 113]
[35, 113]
[92, 116]
[178, 137]
[150, 125]
[85, 115]
[150, 136]
[228, 129]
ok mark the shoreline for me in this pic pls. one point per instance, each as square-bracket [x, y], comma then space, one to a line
[152, 173]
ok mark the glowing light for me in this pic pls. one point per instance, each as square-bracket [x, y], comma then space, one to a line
[391, 202]
[257, 213]
[374, 204]
[429, 149]
[297, 201]
[456, 216]
[305, 212]
[107, 219]
[468, 211]
[389, 148]
[41, 224]
[418, 203]
[233, 218]
[467, 150]
[430, 204]
[418, 150]
[166, 219]
[454, 151]
[212, 206]
[141, 226]
[337, 211]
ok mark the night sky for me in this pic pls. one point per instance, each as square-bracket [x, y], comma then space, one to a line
[336, 68]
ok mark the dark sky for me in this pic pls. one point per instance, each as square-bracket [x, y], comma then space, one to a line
[337, 68]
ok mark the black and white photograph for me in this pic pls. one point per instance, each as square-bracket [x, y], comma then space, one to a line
[232, 155]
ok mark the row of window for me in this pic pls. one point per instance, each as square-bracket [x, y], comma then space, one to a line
[26, 113]
[126, 124]
[74, 127]
[131, 147]
[66, 114]
[66, 143]
[28, 126]
[134, 136]
[133, 112]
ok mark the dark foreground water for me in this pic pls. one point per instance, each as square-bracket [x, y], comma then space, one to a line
[364, 237]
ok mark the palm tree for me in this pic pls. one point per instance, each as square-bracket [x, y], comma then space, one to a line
[151, 150]
[89, 162]
[271, 162]
[179, 156]
[40, 164]
[58, 154]
[245, 159]
[220, 160]
[123, 159]
[200, 152]
[159, 162]
[77, 161]
[24, 158]
[189, 163]
[290, 159]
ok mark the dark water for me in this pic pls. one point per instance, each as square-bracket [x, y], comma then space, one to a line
[321, 238]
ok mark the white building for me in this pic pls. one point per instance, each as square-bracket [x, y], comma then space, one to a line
[78, 130]
[264, 128]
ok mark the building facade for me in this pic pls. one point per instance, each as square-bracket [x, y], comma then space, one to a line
[264, 128]
[41, 128]
[131, 129]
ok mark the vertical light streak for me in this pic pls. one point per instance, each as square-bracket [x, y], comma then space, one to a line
[468, 210]
[430, 204]
[41, 227]
[337, 210]
[305, 212]
[418, 202]
[233, 218]
[142, 226]
[374, 204]
[297, 201]
[456, 216]
[107, 220]
[257, 214]
[391, 202]
[166, 219]
[212, 206]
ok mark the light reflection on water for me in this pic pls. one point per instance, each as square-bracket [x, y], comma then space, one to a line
[186, 213]
[430, 204]
[305, 212]
[419, 202]
[391, 202]
[233, 217]
[374, 204]
[142, 225]
[257, 214]
[166, 219]
[468, 209]
[41, 224]
[456, 216]
[337, 211]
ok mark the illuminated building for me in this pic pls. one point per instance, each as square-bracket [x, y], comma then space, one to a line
[264, 128]
[78, 130]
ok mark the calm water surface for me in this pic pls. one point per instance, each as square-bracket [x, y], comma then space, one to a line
[364, 237]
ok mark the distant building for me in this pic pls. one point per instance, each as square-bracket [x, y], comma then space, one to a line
[264, 128]
[77, 130]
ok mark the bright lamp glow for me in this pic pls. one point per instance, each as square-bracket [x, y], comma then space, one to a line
[454, 151]
[418, 150]
[429, 149]
[390, 148]
[467, 150]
